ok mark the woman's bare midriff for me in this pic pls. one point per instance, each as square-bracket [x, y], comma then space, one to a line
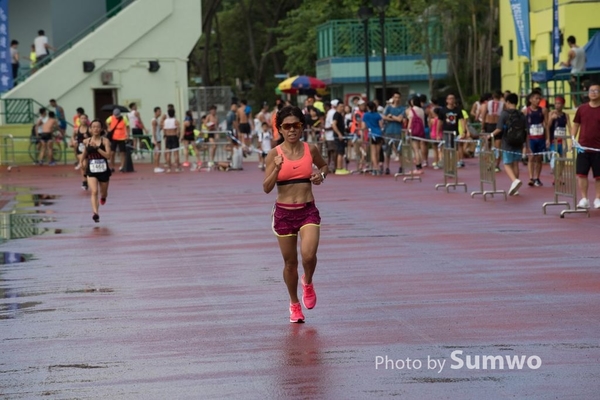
[296, 193]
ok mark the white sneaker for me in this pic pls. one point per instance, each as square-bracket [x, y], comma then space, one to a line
[159, 170]
[597, 203]
[584, 203]
[514, 187]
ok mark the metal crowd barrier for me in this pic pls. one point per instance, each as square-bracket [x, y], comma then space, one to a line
[7, 153]
[222, 147]
[450, 154]
[361, 147]
[565, 185]
[407, 161]
[487, 170]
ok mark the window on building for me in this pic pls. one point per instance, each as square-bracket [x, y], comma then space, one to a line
[510, 50]
[592, 32]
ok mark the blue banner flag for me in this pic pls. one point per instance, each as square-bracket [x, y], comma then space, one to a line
[520, 12]
[555, 32]
[6, 79]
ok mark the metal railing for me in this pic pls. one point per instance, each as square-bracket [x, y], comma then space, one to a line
[569, 85]
[487, 170]
[407, 162]
[24, 111]
[7, 151]
[565, 184]
[23, 75]
[345, 37]
[450, 159]
[19, 111]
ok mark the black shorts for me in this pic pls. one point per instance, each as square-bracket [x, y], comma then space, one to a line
[171, 142]
[118, 145]
[586, 161]
[245, 128]
[376, 140]
[189, 137]
[102, 177]
[45, 137]
[489, 128]
[137, 132]
[340, 146]
[209, 136]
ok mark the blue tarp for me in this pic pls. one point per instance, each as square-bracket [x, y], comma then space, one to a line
[592, 53]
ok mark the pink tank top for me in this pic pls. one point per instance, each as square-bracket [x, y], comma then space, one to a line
[295, 171]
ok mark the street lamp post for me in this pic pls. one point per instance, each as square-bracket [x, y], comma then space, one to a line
[380, 6]
[364, 13]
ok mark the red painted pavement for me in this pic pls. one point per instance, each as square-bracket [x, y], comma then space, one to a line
[178, 292]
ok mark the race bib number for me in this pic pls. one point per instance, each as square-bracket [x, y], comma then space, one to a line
[81, 147]
[560, 132]
[536, 130]
[98, 166]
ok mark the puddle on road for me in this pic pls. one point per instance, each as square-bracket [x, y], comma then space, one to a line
[91, 290]
[83, 366]
[9, 257]
[26, 214]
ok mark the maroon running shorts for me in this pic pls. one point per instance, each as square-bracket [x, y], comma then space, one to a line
[288, 222]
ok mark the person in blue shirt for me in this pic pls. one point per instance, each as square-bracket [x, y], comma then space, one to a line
[373, 121]
[393, 115]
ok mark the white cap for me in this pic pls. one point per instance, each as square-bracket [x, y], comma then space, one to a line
[335, 102]
[361, 101]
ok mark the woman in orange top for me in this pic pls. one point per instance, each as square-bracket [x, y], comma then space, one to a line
[119, 126]
[289, 166]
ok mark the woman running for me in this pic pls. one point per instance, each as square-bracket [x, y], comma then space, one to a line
[289, 166]
[96, 154]
[82, 133]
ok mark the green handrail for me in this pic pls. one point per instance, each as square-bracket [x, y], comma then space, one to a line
[23, 75]
[23, 111]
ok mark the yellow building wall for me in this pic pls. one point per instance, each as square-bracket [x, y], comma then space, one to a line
[575, 18]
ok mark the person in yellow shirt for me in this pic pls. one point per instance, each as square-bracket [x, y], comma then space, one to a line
[32, 59]
[118, 133]
[318, 104]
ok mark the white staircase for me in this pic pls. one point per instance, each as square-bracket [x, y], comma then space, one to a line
[121, 48]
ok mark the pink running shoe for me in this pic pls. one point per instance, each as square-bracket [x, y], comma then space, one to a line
[296, 315]
[309, 297]
[103, 200]
[186, 164]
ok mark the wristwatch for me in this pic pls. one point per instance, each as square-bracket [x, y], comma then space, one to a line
[323, 176]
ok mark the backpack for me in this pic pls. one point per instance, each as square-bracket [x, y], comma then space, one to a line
[417, 128]
[516, 131]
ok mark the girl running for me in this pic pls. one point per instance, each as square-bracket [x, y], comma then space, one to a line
[96, 154]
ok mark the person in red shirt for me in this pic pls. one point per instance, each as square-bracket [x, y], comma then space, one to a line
[587, 124]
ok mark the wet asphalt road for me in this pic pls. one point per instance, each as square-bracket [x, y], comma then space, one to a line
[177, 293]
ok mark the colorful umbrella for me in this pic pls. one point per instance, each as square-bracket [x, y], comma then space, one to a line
[301, 83]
